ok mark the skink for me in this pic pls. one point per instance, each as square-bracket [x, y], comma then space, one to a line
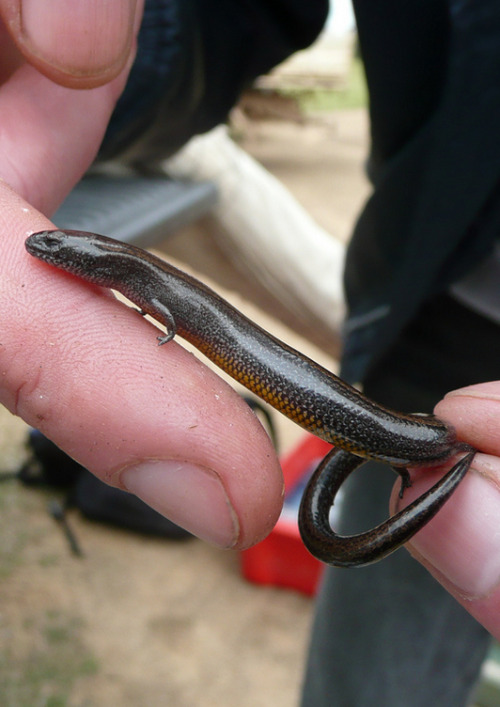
[293, 384]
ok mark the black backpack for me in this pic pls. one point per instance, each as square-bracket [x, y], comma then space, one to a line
[49, 467]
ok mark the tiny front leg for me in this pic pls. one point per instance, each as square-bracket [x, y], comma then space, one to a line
[165, 339]
[162, 313]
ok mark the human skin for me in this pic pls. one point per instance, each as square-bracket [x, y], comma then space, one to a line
[74, 362]
[461, 545]
[86, 371]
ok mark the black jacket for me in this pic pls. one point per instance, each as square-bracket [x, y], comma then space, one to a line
[195, 57]
[433, 70]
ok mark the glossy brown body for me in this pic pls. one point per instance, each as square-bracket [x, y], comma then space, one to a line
[305, 392]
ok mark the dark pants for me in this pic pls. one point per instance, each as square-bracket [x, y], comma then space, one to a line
[389, 634]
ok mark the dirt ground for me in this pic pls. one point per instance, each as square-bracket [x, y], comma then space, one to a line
[148, 622]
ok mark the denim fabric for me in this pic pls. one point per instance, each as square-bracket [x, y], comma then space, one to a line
[389, 634]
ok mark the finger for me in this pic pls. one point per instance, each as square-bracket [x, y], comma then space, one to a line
[87, 372]
[475, 413]
[50, 134]
[77, 44]
[10, 57]
[460, 546]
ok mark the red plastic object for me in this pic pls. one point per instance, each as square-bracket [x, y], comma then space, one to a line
[281, 560]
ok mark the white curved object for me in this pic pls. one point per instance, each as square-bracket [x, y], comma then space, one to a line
[266, 230]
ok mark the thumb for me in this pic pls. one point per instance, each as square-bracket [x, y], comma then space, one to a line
[86, 371]
[77, 44]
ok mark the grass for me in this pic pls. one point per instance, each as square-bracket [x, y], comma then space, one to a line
[15, 534]
[55, 658]
[353, 95]
[42, 651]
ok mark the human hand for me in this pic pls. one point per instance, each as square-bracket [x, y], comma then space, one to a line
[87, 372]
[461, 545]
[75, 363]
[51, 132]
[82, 45]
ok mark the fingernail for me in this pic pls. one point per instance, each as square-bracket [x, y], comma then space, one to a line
[462, 541]
[189, 495]
[80, 38]
[482, 391]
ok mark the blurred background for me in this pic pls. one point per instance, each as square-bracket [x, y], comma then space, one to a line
[139, 620]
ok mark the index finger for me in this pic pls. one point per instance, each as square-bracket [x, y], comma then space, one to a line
[474, 411]
[87, 371]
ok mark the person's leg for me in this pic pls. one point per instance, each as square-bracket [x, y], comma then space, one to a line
[389, 634]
